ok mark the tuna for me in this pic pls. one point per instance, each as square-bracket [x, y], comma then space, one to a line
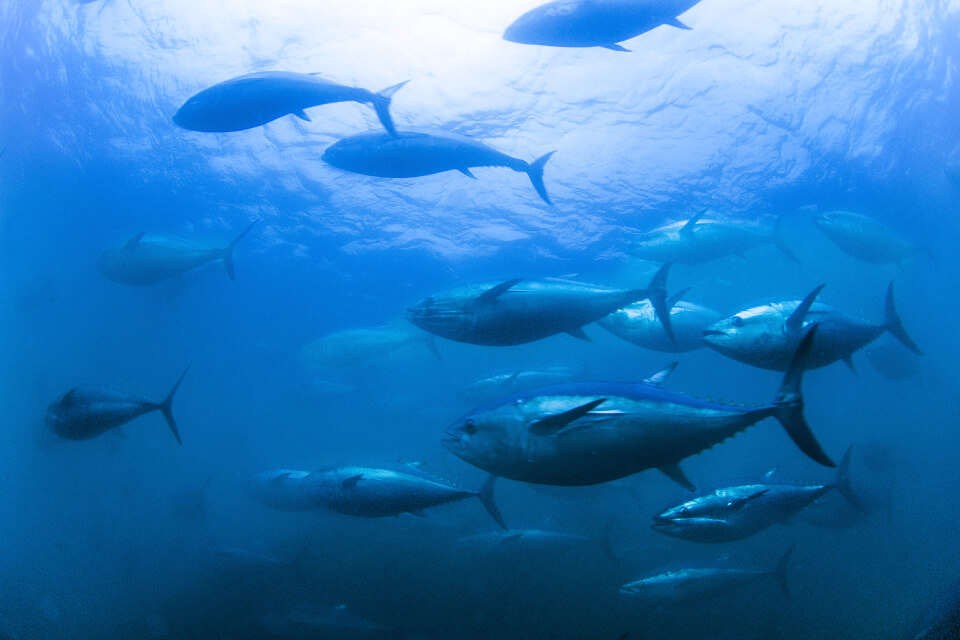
[352, 347]
[637, 323]
[255, 99]
[145, 260]
[734, 513]
[420, 152]
[366, 492]
[695, 240]
[941, 620]
[594, 23]
[504, 383]
[520, 311]
[687, 585]
[588, 433]
[89, 410]
[766, 336]
[865, 238]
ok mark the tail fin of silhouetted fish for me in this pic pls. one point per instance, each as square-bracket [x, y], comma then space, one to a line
[842, 481]
[781, 243]
[227, 256]
[780, 572]
[894, 325]
[657, 294]
[788, 405]
[486, 497]
[166, 407]
[381, 104]
[535, 171]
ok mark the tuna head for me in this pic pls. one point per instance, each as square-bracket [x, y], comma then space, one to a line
[483, 439]
[749, 336]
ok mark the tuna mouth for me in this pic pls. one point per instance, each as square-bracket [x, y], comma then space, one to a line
[450, 440]
[713, 332]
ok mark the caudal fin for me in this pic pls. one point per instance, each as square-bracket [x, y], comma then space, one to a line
[227, 256]
[894, 325]
[657, 294]
[166, 406]
[788, 404]
[486, 497]
[781, 243]
[535, 171]
[842, 481]
[780, 572]
[381, 104]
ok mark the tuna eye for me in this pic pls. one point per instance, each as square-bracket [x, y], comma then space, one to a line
[737, 321]
[469, 427]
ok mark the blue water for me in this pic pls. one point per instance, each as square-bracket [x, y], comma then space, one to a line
[784, 108]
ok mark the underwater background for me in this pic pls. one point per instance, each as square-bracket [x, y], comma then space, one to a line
[761, 109]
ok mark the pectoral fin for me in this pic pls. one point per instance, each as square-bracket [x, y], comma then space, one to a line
[614, 47]
[493, 293]
[351, 482]
[687, 229]
[301, 114]
[551, 425]
[675, 473]
[675, 22]
[739, 502]
[579, 334]
[658, 378]
[466, 171]
[795, 321]
[132, 243]
[276, 482]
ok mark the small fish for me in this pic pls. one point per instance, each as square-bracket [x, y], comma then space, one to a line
[695, 240]
[87, 411]
[255, 99]
[149, 259]
[866, 238]
[520, 311]
[734, 513]
[352, 347]
[594, 23]
[687, 585]
[638, 323]
[420, 152]
[766, 336]
[588, 433]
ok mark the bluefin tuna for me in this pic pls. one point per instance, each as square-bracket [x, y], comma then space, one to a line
[352, 347]
[638, 323]
[526, 541]
[733, 513]
[366, 492]
[588, 433]
[504, 383]
[89, 410]
[699, 584]
[149, 259]
[865, 238]
[520, 311]
[255, 99]
[766, 336]
[420, 152]
[594, 23]
[694, 241]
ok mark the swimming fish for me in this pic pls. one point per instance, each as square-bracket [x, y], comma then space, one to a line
[695, 240]
[149, 259]
[766, 336]
[420, 152]
[255, 99]
[865, 238]
[594, 23]
[588, 433]
[89, 410]
[524, 310]
[351, 347]
[638, 323]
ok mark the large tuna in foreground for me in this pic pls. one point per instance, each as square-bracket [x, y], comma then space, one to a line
[766, 336]
[255, 99]
[520, 311]
[594, 23]
[149, 259]
[88, 410]
[419, 152]
[587, 433]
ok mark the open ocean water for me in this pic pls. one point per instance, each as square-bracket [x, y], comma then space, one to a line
[760, 115]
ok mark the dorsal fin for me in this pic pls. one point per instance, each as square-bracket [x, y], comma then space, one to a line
[553, 424]
[687, 229]
[795, 321]
[658, 378]
[495, 292]
[132, 243]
